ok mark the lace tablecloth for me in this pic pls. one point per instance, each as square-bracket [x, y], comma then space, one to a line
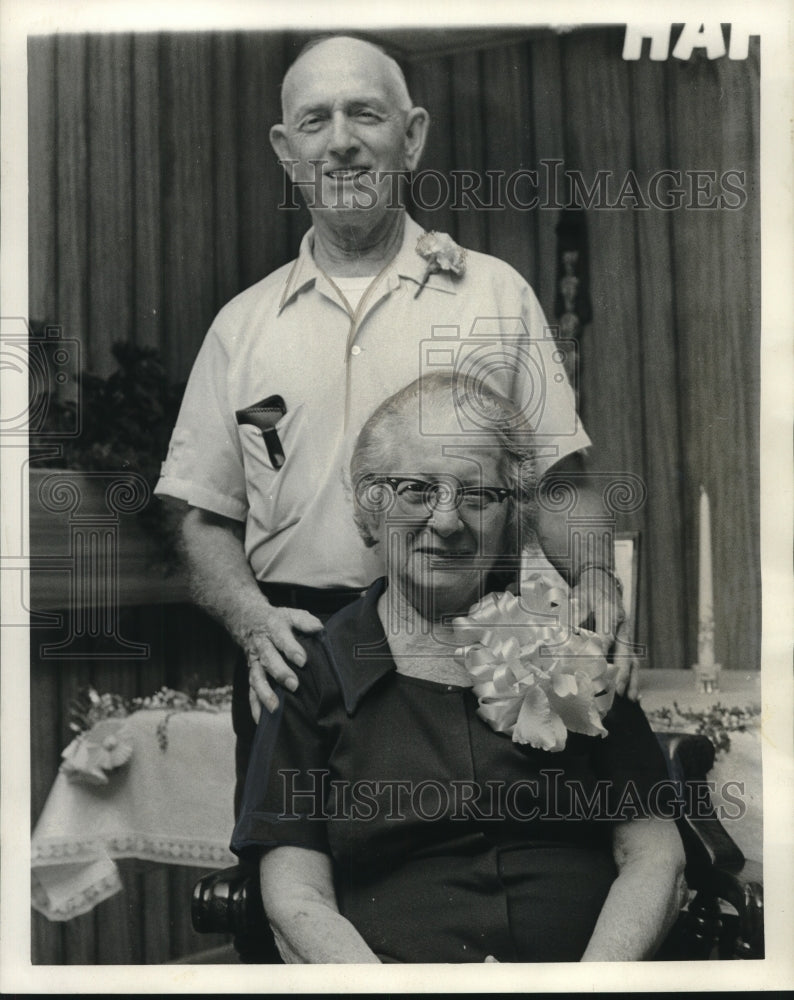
[172, 805]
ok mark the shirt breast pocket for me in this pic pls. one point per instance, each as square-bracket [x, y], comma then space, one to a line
[276, 494]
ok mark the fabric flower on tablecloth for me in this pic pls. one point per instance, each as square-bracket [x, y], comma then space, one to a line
[442, 253]
[92, 755]
[535, 678]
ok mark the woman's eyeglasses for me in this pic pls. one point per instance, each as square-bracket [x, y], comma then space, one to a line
[414, 494]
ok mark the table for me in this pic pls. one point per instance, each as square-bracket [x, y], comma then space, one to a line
[172, 805]
[175, 805]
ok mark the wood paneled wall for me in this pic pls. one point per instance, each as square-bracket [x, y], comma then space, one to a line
[153, 200]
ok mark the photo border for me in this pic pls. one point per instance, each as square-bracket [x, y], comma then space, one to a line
[20, 19]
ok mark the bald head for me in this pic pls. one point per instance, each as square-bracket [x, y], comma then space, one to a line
[339, 53]
[348, 131]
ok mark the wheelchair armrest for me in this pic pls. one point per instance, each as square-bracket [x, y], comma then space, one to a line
[689, 758]
[716, 868]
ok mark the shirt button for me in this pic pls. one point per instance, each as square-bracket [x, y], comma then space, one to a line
[355, 350]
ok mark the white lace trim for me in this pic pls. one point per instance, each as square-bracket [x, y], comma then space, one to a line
[132, 845]
[81, 902]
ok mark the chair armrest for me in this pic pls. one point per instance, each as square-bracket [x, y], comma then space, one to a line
[715, 866]
[228, 902]
[689, 758]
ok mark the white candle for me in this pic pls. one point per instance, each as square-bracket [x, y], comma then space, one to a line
[705, 587]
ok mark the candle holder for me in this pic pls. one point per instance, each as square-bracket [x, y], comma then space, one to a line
[707, 677]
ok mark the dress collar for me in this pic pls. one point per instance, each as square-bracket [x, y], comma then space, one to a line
[357, 646]
[359, 651]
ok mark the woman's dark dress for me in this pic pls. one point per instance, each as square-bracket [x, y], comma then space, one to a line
[382, 771]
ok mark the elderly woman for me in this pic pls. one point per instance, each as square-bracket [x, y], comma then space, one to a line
[393, 823]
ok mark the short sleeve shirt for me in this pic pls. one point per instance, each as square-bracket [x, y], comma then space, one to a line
[292, 335]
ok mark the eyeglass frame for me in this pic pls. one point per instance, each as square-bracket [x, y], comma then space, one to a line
[502, 492]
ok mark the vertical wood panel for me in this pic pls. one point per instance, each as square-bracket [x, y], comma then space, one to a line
[148, 213]
[547, 125]
[156, 922]
[264, 229]
[467, 142]
[46, 941]
[115, 940]
[110, 243]
[708, 391]
[598, 128]
[188, 237]
[507, 120]
[42, 179]
[430, 83]
[72, 167]
[737, 410]
[225, 167]
[663, 606]
[80, 940]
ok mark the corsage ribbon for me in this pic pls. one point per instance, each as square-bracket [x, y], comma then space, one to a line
[535, 677]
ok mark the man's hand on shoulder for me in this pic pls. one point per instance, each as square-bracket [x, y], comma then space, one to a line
[223, 584]
[270, 645]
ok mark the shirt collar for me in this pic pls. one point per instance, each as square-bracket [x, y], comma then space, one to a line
[407, 264]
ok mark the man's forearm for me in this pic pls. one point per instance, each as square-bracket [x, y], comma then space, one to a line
[221, 580]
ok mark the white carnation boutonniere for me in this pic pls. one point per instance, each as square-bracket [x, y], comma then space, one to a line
[442, 253]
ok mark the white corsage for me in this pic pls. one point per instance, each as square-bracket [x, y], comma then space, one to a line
[536, 678]
[442, 253]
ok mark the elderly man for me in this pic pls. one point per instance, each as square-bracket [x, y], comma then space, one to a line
[293, 366]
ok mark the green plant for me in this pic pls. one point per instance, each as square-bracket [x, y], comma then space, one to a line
[125, 425]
